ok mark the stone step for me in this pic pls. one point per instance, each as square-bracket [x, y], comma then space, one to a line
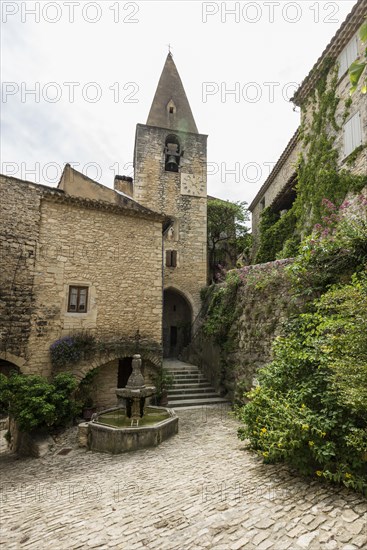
[175, 374]
[196, 402]
[195, 384]
[183, 371]
[193, 396]
[193, 390]
[190, 387]
[187, 378]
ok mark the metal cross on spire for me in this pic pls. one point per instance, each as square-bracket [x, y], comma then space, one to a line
[169, 48]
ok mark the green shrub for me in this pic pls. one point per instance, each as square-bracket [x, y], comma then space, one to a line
[37, 404]
[310, 408]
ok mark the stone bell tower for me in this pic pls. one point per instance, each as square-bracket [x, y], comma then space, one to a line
[170, 177]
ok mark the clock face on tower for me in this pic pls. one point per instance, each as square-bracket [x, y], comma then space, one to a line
[192, 185]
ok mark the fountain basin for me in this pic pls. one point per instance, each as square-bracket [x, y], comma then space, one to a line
[107, 438]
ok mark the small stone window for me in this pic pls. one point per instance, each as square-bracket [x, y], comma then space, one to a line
[171, 258]
[78, 299]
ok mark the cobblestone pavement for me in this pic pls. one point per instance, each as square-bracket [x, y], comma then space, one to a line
[200, 489]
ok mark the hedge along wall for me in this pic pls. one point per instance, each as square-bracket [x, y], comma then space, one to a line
[243, 317]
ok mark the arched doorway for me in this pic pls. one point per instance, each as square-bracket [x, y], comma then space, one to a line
[7, 368]
[177, 318]
[124, 370]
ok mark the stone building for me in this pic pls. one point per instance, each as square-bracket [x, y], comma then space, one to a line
[170, 178]
[278, 191]
[125, 265]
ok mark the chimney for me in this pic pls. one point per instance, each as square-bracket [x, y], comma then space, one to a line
[124, 184]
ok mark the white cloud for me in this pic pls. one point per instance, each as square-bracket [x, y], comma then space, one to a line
[106, 52]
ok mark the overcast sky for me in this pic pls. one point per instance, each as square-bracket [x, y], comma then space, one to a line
[112, 54]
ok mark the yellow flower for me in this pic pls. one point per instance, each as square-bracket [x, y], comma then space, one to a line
[311, 443]
[319, 473]
[303, 406]
[264, 430]
[305, 427]
[348, 476]
[266, 454]
[323, 434]
[280, 445]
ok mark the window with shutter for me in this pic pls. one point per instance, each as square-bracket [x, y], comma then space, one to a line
[352, 134]
[171, 258]
[174, 258]
[348, 55]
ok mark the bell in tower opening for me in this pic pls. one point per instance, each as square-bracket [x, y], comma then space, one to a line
[172, 153]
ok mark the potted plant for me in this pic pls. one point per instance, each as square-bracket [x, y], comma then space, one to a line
[163, 381]
[88, 408]
[85, 394]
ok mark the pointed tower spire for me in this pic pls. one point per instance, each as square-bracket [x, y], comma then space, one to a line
[170, 107]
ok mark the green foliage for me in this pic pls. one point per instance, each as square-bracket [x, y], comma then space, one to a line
[228, 234]
[38, 404]
[310, 408]
[275, 233]
[163, 381]
[343, 328]
[358, 68]
[86, 389]
[222, 309]
[318, 175]
[334, 250]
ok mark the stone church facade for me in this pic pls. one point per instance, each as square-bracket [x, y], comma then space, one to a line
[125, 265]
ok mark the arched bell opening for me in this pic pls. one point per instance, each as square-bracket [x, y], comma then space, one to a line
[172, 151]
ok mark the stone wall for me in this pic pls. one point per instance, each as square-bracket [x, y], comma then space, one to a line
[263, 303]
[116, 255]
[19, 229]
[115, 251]
[182, 197]
[343, 113]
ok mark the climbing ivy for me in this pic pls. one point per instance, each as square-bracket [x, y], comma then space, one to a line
[277, 232]
[319, 176]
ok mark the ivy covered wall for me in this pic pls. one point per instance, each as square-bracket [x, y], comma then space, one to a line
[322, 170]
[244, 316]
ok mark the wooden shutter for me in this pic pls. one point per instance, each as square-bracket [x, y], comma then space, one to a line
[174, 258]
[352, 134]
[348, 55]
[168, 258]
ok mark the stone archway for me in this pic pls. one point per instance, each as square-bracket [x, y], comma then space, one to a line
[112, 372]
[7, 368]
[177, 319]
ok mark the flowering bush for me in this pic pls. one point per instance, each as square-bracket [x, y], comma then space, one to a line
[64, 352]
[71, 349]
[310, 408]
[335, 249]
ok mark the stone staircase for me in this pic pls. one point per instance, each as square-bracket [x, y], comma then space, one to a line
[190, 387]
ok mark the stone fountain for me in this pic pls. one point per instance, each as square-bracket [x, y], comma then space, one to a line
[102, 434]
[135, 393]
